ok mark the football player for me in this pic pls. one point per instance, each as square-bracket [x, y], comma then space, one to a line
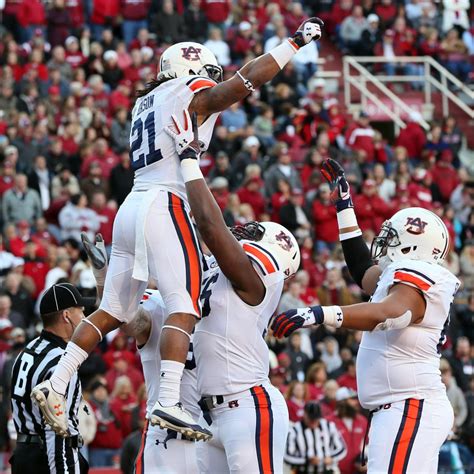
[404, 328]
[247, 416]
[153, 235]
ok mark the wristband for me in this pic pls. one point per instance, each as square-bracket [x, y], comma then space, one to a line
[190, 170]
[333, 316]
[345, 220]
[283, 53]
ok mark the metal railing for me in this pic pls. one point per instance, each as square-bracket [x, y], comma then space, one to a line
[427, 80]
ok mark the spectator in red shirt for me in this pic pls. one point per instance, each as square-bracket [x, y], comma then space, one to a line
[251, 194]
[36, 63]
[75, 10]
[445, 175]
[243, 42]
[142, 39]
[103, 155]
[308, 293]
[220, 190]
[386, 11]
[371, 209]
[106, 215]
[7, 174]
[120, 97]
[74, 55]
[296, 397]
[105, 448]
[325, 222]
[352, 426]
[348, 379]
[104, 14]
[419, 187]
[122, 402]
[217, 11]
[413, 138]
[134, 13]
[118, 350]
[122, 367]
[31, 16]
[340, 11]
[35, 268]
[359, 137]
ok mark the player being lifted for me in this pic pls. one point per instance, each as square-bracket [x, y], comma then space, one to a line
[161, 451]
[153, 235]
[404, 325]
[247, 416]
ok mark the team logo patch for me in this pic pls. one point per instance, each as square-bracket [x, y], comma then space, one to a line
[191, 53]
[286, 243]
[415, 225]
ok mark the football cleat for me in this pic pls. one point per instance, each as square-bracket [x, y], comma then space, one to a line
[178, 419]
[53, 407]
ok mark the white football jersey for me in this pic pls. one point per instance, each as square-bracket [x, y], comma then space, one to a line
[153, 304]
[229, 341]
[399, 364]
[152, 150]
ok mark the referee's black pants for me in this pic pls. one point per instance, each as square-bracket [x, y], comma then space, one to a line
[32, 458]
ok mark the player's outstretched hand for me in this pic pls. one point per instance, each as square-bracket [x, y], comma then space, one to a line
[185, 136]
[308, 31]
[290, 321]
[334, 174]
[97, 255]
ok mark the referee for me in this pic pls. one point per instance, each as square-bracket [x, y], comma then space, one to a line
[38, 448]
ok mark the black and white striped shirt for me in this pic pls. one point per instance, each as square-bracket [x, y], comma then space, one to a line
[304, 443]
[33, 365]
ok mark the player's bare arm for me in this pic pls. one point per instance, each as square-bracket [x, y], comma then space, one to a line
[363, 269]
[403, 306]
[232, 259]
[255, 73]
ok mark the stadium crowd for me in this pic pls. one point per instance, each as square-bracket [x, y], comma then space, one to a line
[69, 70]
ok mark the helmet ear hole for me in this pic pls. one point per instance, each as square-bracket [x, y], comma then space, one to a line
[406, 250]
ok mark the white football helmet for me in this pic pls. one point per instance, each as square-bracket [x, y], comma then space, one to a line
[189, 59]
[274, 241]
[413, 233]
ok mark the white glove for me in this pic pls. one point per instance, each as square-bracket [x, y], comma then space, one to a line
[185, 136]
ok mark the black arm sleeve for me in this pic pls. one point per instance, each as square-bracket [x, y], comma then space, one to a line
[357, 257]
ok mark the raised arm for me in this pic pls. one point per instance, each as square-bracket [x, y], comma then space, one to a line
[230, 256]
[362, 268]
[403, 306]
[256, 72]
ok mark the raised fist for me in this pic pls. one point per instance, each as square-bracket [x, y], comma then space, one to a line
[308, 31]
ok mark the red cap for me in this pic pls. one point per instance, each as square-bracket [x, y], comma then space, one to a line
[23, 224]
[54, 90]
[125, 82]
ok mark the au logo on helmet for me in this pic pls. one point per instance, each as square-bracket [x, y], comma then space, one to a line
[415, 225]
[191, 53]
[286, 243]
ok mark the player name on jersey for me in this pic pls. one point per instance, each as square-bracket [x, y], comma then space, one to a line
[146, 103]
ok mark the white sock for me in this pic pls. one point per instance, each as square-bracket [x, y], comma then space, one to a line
[170, 382]
[70, 361]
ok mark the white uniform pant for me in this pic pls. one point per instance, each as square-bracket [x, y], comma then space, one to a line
[159, 455]
[249, 434]
[406, 436]
[171, 256]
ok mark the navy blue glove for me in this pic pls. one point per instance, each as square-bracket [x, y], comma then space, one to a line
[309, 30]
[334, 174]
[290, 321]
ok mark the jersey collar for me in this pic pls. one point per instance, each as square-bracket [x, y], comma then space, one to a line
[49, 336]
